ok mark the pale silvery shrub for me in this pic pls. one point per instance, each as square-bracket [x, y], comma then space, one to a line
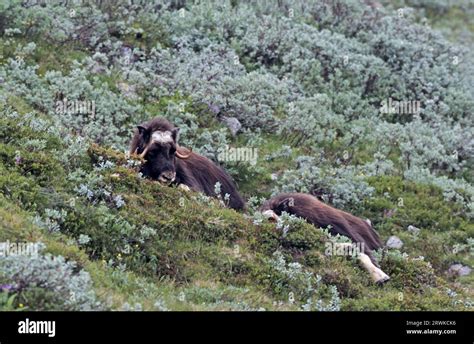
[110, 123]
[71, 290]
[305, 286]
[335, 61]
[255, 99]
[311, 121]
[341, 186]
[450, 187]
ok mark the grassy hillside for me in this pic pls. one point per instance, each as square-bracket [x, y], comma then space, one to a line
[305, 82]
[168, 249]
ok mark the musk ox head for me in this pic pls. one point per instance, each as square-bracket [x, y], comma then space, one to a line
[157, 143]
[273, 208]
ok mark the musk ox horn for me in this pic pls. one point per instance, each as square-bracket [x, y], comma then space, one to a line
[180, 153]
[142, 154]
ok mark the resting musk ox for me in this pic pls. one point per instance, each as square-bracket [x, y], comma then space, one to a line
[156, 141]
[338, 222]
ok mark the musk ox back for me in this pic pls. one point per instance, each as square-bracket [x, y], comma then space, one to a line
[339, 222]
[157, 142]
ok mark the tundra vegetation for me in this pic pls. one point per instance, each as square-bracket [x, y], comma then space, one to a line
[300, 82]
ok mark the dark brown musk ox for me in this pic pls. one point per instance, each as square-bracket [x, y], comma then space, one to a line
[156, 141]
[337, 221]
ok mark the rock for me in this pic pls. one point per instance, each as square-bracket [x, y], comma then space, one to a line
[215, 109]
[394, 242]
[464, 271]
[128, 91]
[413, 230]
[127, 55]
[459, 270]
[233, 124]
[97, 68]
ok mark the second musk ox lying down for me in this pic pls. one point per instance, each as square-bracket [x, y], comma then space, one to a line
[339, 222]
[156, 141]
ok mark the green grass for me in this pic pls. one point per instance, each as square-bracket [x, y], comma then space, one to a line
[217, 258]
[201, 256]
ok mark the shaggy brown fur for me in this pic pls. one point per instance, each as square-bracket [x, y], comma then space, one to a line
[197, 172]
[322, 215]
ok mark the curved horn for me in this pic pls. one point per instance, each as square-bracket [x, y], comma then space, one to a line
[142, 154]
[181, 155]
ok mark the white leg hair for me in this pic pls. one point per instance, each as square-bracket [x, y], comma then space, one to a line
[184, 187]
[271, 215]
[377, 275]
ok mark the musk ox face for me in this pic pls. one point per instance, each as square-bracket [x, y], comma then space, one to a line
[284, 206]
[272, 210]
[158, 148]
[156, 141]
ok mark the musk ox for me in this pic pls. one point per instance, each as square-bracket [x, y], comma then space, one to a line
[156, 141]
[339, 222]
